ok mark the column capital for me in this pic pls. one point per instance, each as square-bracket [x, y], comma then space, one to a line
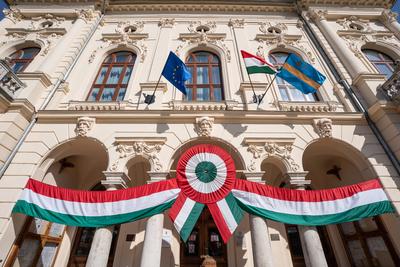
[157, 176]
[317, 14]
[118, 180]
[388, 16]
[297, 180]
[254, 177]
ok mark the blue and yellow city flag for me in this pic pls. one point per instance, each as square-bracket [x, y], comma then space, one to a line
[301, 75]
[176, 72]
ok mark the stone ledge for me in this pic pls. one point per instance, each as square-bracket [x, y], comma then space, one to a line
[329, 106]
[97, 106]
[207, 106]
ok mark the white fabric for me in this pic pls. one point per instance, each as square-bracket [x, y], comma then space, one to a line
[200, 186]
[183, 214]
[310, 208]
[227, 214]
[99, 209]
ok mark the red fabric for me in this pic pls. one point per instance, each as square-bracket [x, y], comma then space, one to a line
[176, 208]
[247, 55]
[187, 188]
[99, 196]
[219, 221]
[306, 195]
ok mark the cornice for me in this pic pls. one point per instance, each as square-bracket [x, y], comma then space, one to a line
[168, 116]
[24, 107]
[41, 76]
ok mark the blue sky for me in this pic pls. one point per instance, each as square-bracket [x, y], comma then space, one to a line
[395, 8]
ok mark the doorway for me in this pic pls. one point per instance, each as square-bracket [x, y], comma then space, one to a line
[205, 239]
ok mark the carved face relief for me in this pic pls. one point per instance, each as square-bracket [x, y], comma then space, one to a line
[83, 126]
[323, 127]
[204, 126]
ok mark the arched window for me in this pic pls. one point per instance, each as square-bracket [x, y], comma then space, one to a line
[288, 92]
[22, 58]
[382, 62]
[206, 83]
[113, 77]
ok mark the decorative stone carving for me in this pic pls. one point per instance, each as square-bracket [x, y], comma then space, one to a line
[263, 149]
[125, 39]
[142, 148]
[202, 34]
[329, 106]
[129, 27]
[166, 23]
[236, 23]
[204, 126]
[86, 14]
[84, 125]
[317, 14]
[209, 106]
[13, 14]
[323, 127]
[353, 23]
[388, 16]
[268, 28]
[391, 87]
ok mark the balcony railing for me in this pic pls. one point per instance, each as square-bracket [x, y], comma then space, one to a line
[9, 82]
[391, 87]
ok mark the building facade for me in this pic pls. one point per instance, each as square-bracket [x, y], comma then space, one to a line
[73, 83]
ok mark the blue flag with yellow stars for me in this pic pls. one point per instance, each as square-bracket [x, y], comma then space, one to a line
[301, 75]
[176, 72]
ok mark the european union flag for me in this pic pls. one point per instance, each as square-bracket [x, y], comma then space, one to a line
[301, 75]
[176, 72]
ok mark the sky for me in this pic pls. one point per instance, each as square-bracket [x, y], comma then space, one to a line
[395, 8]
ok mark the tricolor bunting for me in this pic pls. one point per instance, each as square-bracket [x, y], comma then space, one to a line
[256, 64]
[301, 75]
[206, 176]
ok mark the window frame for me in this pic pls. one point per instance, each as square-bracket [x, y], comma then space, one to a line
[194, 86]
[388, 63]
[117, 86]
[25, 61]
[287, 87]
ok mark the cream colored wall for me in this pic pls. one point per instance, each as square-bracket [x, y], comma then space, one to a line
[177, 128]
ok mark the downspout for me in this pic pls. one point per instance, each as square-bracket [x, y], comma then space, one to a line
[48, 98]
[350, 93]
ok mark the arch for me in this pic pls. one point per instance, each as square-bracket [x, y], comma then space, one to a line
[223, 54]
[137, 168]
[322, 155]
[274, 170]
[289, 49]
[113, 77]
[236, 156]
[384, 47]
[70, 162]
[15, 45]
[381, 62]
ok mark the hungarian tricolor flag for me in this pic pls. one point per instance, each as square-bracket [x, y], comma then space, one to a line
[255, 64]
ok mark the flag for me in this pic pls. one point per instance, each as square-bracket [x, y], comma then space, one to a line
[301, 75]
[176, 72]
[255, 64]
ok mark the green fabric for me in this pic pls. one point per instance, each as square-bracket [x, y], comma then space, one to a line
[234, 207]
[83, 221]
[191, 221]
[263, 69]
[354, 214]
[206, 171]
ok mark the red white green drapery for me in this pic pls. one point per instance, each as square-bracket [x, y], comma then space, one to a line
[205, 176]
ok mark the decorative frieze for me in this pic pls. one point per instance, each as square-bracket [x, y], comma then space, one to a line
[97, 106]
[323, 127]
[149, 148]
[262, 148]
[204, 126]
[200, 106]
[84, 125]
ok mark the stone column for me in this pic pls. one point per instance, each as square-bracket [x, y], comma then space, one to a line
[350, 61]
[389, 18]
[260, 238]
[151, 255]
[101, 244]
[310, 240]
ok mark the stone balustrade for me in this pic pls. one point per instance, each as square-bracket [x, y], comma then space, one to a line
[391, 87]
[9, 82]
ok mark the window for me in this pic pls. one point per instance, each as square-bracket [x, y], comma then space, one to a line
[206, 83]
[22, 58]
[367, 243]
[382, 62]
[113, 77]
[38, 244]
[287, 91]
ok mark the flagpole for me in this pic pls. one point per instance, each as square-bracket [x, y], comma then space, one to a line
[266, 90]
[151, 101]
[255, 100]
